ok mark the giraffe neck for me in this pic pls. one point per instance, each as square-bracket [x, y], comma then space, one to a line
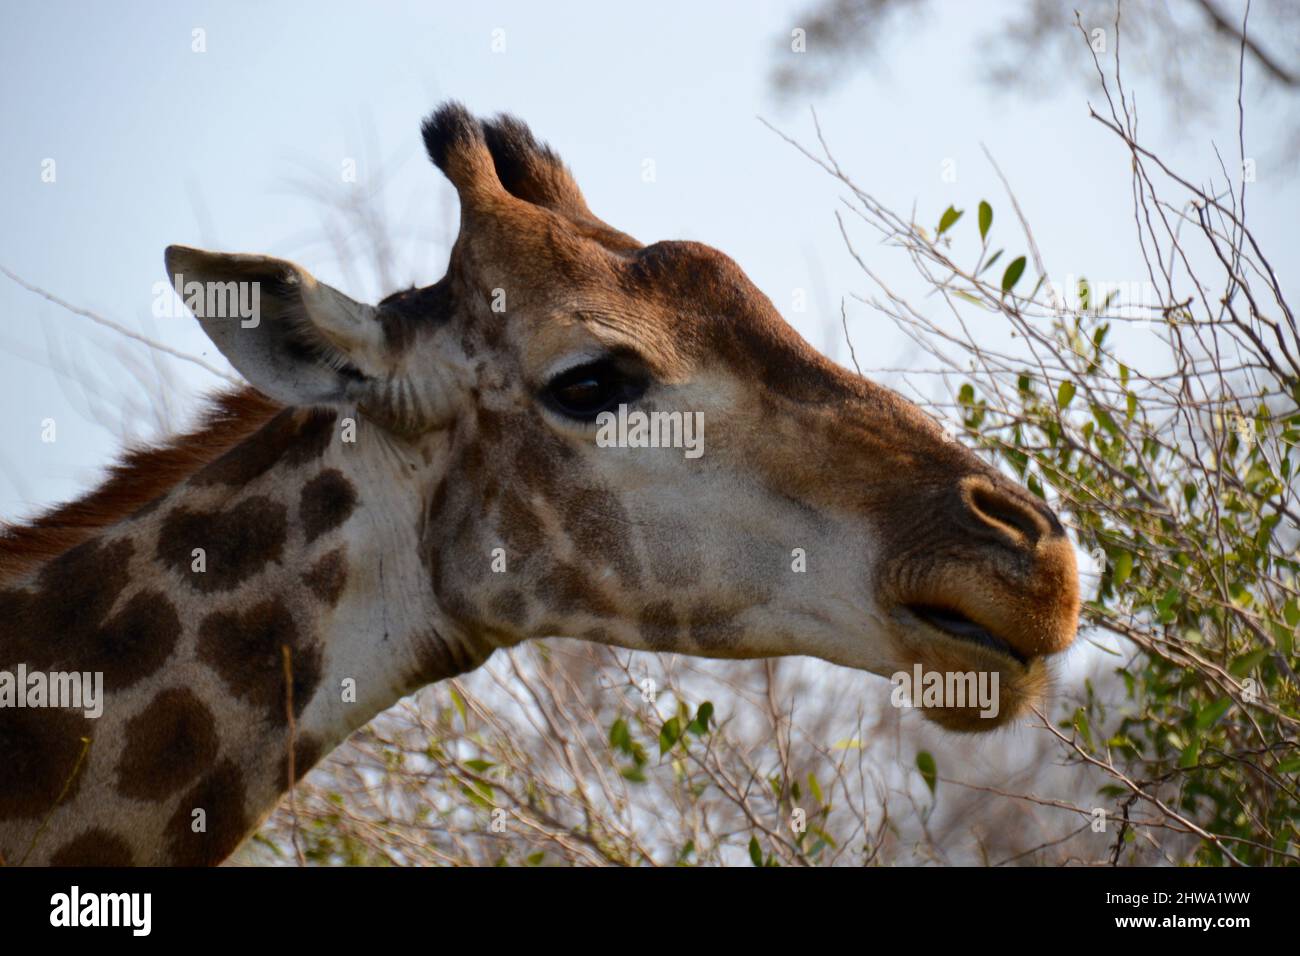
[248, 620]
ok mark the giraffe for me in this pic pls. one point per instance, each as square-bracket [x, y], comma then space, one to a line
[403, 488]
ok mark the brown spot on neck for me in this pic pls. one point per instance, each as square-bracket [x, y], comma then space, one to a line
[326, 502]
[73, 595]
[134, 643]
[567, 587]
[245, 649]
[95, 847]
[41, 753]
[659, 626]
[714, 628]
[238, 542]
[61, 626]
[220, 795]
[168, 744]
[328, 576]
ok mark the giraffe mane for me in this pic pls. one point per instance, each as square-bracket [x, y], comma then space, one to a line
[139, 478]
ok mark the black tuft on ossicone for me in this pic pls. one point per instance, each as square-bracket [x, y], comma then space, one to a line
[518, 156]
[449, 127]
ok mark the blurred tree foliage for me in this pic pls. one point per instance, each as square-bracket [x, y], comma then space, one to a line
[1191, 47]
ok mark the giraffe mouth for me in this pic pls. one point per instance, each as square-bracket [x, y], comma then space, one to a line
[957, 625]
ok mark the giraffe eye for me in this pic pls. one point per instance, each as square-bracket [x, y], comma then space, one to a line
[584, 392]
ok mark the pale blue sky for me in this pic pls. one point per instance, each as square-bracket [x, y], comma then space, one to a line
[156, 144]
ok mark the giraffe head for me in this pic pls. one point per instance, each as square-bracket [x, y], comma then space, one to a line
[798, 508]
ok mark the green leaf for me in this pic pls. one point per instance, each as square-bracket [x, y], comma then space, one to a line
[755, 852]
[815, 787]
[986, 218]
[1246, 663]
[479, 793]
[1210, 715]
[1289, 766]
[946, 221]
[826, 837]
[1285, 639]
[460, 706]
[700, 725]
[1291, 611]
[1013, 273]
[925, 764]
[992, 259]
[1104, 420]
[1080, 723]
[1123, 567]
[1065, 394]
[669, 734]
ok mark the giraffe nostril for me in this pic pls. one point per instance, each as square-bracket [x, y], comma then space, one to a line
[1003, 510]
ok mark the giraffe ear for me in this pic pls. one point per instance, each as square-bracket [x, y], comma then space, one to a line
[295, 339]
